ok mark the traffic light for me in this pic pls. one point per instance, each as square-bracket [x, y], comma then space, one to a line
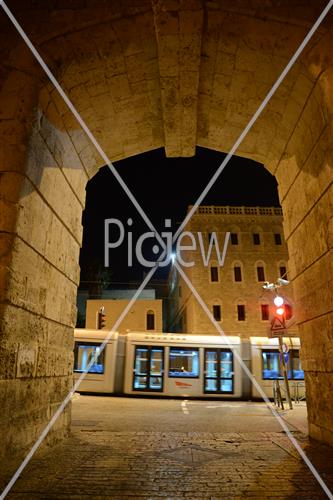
[101, 318]
[280, 310]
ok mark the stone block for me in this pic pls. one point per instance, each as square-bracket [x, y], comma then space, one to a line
[26, 362]
[8, 361]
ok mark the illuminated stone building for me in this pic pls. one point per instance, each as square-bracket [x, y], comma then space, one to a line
[256, 252]
[144, 315]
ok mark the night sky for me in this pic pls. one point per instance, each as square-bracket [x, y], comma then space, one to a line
[164, 187]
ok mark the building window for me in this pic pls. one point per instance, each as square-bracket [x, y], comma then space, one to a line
[283, 272]
[264, 312]
[234, 238]
[288, 311]
[214, 274]
[183, 362]
[277, 239]
[256, 238]
[241, 312]
[238, 273]
[150, 320]
[260, 273]
[217, 312]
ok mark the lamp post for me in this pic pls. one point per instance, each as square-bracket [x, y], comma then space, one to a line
[280, 315]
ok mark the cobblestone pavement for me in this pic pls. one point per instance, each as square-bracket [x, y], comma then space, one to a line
[96, 462]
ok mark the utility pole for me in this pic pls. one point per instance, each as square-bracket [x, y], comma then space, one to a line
[278, 328]
[285, 373]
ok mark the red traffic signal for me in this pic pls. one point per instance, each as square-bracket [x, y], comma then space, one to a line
[101, 318]
[280, 311]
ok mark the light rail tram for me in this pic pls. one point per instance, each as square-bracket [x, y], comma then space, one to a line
[182, 365]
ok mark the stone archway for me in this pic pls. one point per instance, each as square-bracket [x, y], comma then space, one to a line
[164, 73]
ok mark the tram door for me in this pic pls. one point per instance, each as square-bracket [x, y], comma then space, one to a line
[148, 368]
[219, 371]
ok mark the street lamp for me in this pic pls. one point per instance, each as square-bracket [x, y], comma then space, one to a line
[280, 316]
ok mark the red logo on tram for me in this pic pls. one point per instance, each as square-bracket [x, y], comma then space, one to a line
[182, 384]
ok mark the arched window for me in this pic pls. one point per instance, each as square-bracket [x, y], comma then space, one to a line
[264, 309]
[260, 271]
[257, 235]
[282, 269]
[237, 271]
[234, 235]
[214, 271]
[214, 274]
[217, 314]
[241, 312]
[278, 234]
[150, 320]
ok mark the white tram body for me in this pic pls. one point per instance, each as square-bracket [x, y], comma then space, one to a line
[266, 366]
[182, 365]
[101, 376]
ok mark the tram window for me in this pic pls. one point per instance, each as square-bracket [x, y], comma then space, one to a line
[148, 368]
[84, 352]
[226, 364]
[271, 365]
[226, 385]
[141, 361]
[183, 362]
[140, 383]
[296, 366]
[211, 385]
[219, 372]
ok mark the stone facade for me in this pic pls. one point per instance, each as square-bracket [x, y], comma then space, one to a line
[143, 75]
[136, 320]
[236, 283]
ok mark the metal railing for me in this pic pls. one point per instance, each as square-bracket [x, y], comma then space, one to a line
[297, 392]
[228, 210]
